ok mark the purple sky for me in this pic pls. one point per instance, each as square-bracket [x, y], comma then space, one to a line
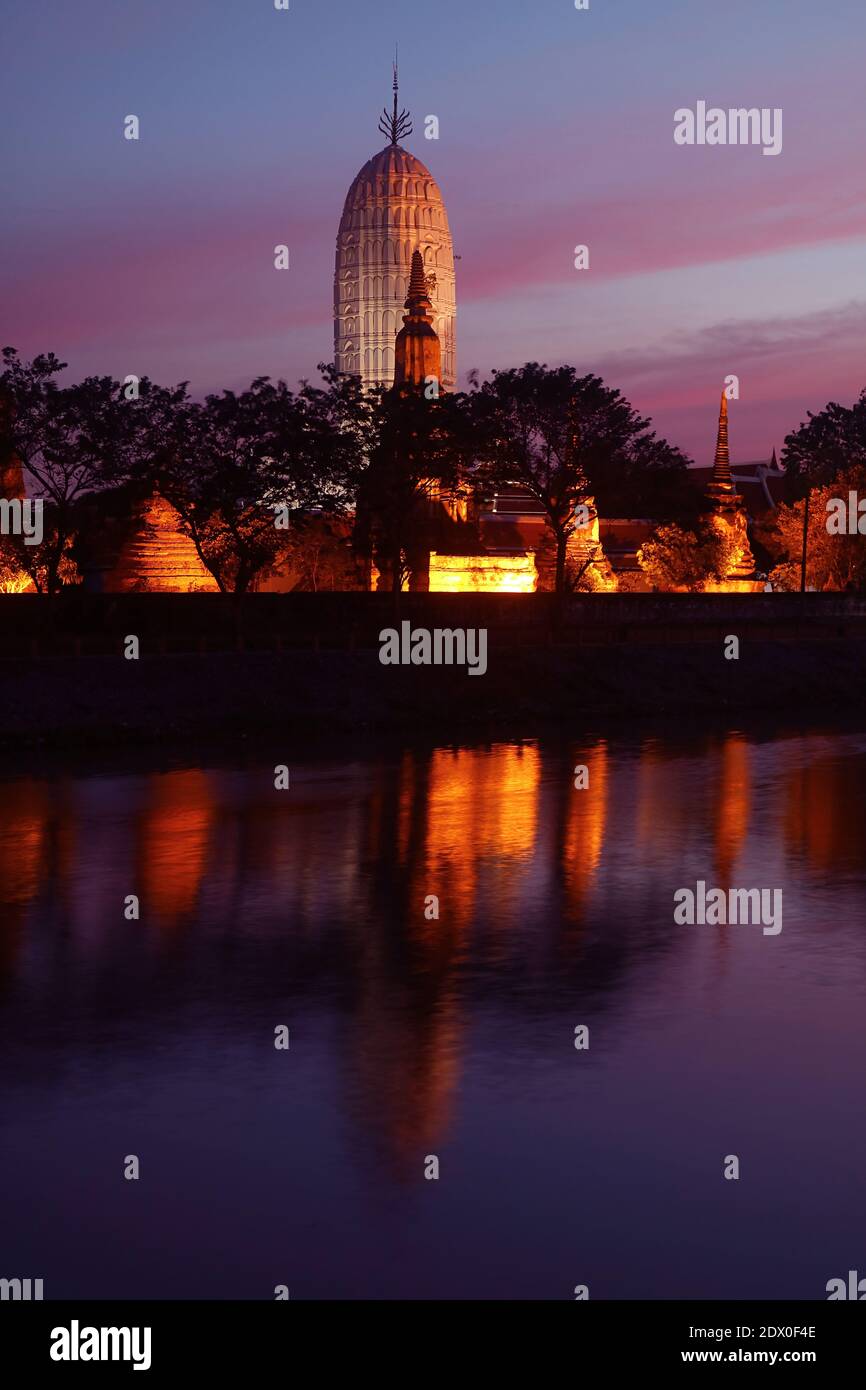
[556, 128]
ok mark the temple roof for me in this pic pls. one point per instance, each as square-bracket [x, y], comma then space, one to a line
[392, 173]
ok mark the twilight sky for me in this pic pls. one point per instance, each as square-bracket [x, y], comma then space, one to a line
[556, 128]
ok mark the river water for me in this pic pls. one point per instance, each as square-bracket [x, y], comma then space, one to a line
[417, 1040]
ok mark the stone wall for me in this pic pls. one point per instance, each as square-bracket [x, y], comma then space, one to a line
[75, 620]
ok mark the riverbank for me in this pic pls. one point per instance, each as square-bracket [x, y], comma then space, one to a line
[302, 693]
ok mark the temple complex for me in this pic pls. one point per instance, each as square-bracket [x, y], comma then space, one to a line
[394, 247]
[486, 556]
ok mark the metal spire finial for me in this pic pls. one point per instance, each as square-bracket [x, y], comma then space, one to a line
[395, 126]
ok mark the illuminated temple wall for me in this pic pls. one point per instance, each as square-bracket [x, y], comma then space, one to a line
[504, 574]
[733, 586]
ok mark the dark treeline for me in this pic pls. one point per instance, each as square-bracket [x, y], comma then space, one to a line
[825, 466]
[238, 464]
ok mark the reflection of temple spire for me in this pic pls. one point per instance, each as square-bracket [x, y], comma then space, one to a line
[453, 815]
[582, 836]
[25, 863]
[395, 126]
[173, 842]
[820, 792]
[732, 806]
[405, 1063]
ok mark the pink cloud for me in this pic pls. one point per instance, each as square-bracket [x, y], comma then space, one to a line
[787, 366]
[658, 228]
[188, 278]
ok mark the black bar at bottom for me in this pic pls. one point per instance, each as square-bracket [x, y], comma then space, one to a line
[253, 1339]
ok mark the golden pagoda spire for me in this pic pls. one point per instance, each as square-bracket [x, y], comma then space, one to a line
[417, 351]
[729, 513]
[722, 463]
[417, 280]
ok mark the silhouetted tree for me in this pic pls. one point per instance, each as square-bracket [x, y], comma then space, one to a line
[69, 439]
[319, 554]
[239, 465]
[833, 561]
[212, 467]
[829, 443]
[674, 558]
[569, 439]
[416, 444]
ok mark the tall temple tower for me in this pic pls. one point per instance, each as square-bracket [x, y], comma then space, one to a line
[393, 208]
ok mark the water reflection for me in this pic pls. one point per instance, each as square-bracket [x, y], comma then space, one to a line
[23, 833]
[732, 807]
[823, 810]
[173, 849]
[313, 906]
